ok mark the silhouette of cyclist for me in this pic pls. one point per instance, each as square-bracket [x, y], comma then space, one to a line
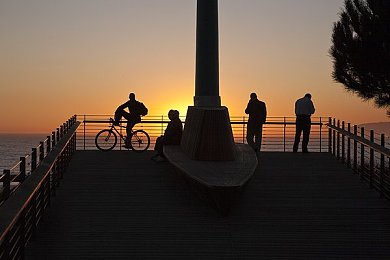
[133, 116]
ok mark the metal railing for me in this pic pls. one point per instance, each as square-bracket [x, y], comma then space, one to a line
[278, 132]
[367, 154]
[13, 177]
[23, 205]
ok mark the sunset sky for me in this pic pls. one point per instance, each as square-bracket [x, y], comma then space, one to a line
[65, 57]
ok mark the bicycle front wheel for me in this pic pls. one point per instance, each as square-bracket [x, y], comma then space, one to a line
[139, 141]
[105, 140]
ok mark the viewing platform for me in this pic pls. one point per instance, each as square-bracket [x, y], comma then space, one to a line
[77, 203]
[121, 205]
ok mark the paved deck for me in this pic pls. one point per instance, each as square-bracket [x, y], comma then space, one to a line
[121, 205]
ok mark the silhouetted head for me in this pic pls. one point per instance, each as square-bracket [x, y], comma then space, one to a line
[308, 95]
[173, 114]
[132, 96]
[177, 114]
[253, 96]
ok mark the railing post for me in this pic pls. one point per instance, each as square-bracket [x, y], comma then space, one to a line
[371, 158]
[53, 139]
[6, 184]
[334, 138]
[284, 134]
[58, 135]
[338, 140]
[48, 144]
[362, 154]
[243, 129]
[382, 166]
[162, 125]
[41, 152]
[343, 143]
[22, 169]
[320, 134]
[120, 139]
[33, 159]
[349, 146]
[355, 163]
[84, 130]
[330, 135]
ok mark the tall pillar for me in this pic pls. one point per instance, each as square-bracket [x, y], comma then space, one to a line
[207, 55]
[207, 133]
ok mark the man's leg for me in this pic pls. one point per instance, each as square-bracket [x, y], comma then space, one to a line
[249, 137]
[159, 145]
[129, 131]
[298, 131]
[306, 135]
[258, 137]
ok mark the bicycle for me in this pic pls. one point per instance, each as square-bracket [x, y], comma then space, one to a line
[107, 139]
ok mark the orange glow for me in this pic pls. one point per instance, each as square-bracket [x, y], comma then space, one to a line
[52, 68]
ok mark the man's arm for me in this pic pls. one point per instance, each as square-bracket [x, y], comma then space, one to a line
[312, 107]
[263, 112]
[248, 110]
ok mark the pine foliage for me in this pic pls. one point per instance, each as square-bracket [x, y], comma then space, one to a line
[361, 50]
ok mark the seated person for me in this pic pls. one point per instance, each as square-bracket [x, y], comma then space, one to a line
[172, 134]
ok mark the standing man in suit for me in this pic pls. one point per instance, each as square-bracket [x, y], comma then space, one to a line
[257, 115]
[304, 108]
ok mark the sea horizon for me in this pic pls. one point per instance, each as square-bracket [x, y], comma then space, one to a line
[16, 145]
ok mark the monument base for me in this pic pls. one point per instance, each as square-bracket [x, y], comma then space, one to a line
[218, 183]
[208, 134]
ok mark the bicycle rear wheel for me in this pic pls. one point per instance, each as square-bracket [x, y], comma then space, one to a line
[105, 140]
[139, 141]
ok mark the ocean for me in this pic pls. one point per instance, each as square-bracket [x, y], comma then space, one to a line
[13, 146]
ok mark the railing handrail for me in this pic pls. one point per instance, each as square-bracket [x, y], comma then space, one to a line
[12, 210]
[278, 132]
[368, 159]
[378, 148]
[231, 122]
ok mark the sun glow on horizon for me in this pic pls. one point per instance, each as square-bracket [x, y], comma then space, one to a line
[85, 57]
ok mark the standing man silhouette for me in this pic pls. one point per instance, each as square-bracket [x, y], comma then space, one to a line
[304, 108]
[257, 115]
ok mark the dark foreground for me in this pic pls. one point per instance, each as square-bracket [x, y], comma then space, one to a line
[121, 205]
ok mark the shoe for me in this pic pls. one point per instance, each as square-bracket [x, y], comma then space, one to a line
[126, 146]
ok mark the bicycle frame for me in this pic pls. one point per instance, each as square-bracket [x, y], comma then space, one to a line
[118, 132]
[137, 141]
